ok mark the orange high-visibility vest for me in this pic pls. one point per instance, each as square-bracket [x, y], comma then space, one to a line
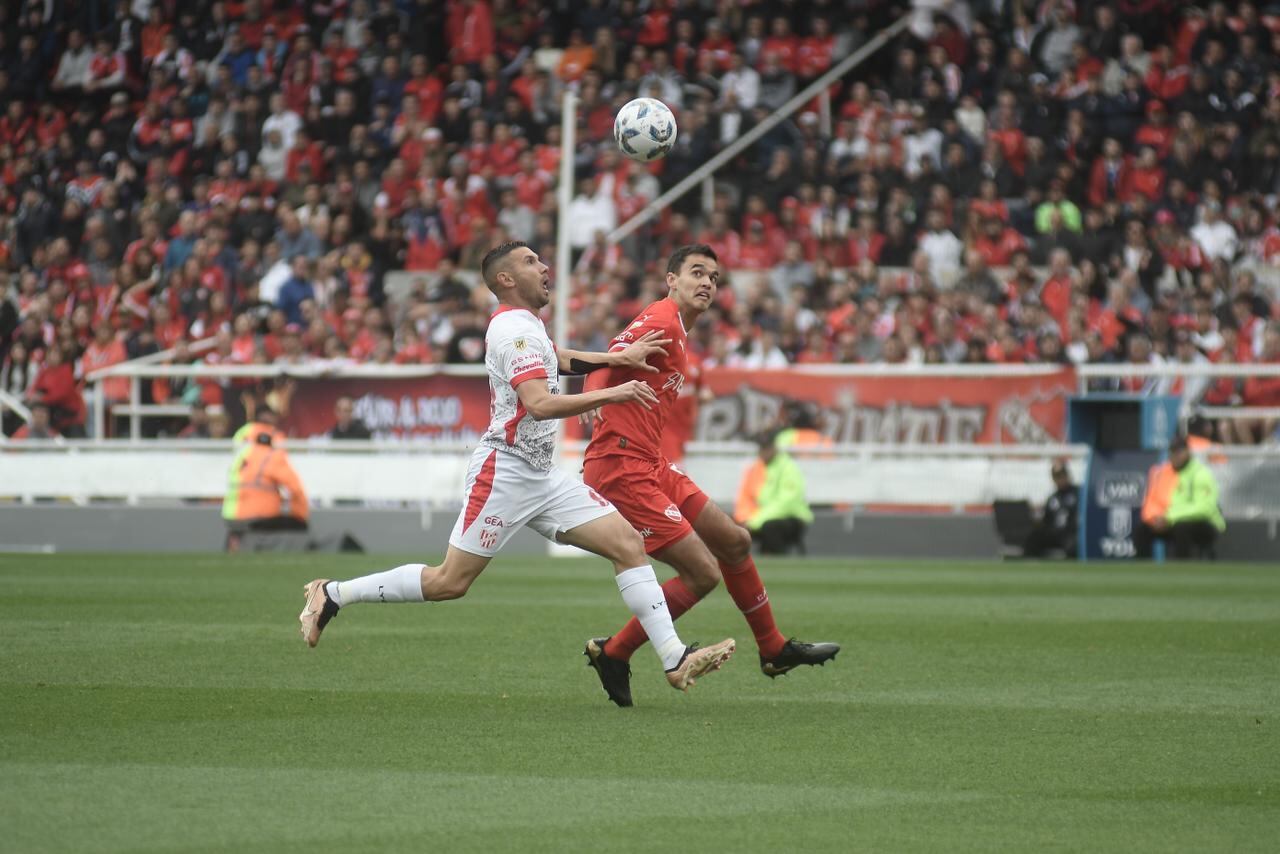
[258, 475]
[748, 491]
[1162, 480]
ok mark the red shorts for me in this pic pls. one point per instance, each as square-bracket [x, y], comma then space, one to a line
[658, 499]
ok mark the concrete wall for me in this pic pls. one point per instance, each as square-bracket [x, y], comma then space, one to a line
[119, 528]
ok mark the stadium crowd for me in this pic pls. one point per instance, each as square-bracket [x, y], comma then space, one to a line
[1006, 182]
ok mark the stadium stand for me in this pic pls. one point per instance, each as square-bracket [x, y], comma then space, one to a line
[1086, 182]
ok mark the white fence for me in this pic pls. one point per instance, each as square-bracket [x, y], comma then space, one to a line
[946, 477]
[433, 475]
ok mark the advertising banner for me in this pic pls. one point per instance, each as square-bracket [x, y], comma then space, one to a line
[430, 409]
[1025, 408]
[1112, 511]
[928, 409]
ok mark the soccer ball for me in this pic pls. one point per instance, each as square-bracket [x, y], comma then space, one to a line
[645, 129]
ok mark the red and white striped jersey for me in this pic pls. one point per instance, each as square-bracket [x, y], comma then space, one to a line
[517, 350]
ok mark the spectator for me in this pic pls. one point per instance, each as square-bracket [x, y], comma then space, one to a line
[73, 68]
[297, 290]
[107, 68]
[39, 427]
[1057, 528]
[1263, 391]
[294, 239]
[1100, 135]
[55, 386]
[17, 373]
[1215, 237]
[346, 425]
[105, 350]
[742, 83]
[941, 246]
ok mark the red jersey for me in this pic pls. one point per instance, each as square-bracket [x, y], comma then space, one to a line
[628, 429]
[684, 413]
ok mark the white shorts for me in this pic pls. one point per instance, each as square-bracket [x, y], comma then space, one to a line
[504, 493]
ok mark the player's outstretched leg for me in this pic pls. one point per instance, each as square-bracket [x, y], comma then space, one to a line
[611, 537]
[614, 673]
[317, 610]
[697, 575]
[795, 653]
[410, 582]
[731, 545]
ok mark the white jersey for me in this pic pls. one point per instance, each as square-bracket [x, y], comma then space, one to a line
[517, 349]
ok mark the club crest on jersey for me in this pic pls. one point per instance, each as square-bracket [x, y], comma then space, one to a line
[675, 381]
[673, 513]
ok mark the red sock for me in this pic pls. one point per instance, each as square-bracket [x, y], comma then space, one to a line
[632, 636]
[744, 585]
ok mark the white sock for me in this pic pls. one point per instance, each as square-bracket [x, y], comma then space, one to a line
[402, 584]
[643, 595]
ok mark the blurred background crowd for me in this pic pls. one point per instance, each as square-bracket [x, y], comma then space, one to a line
[1007, 182]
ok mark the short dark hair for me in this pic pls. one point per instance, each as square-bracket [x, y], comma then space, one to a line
[1177, 443]
[492, 258]
[677, 259]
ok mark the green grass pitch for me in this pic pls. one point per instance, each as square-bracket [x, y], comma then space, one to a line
[167, 703]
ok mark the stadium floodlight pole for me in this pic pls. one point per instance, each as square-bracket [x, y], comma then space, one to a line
[734, 148]
[564, 269]
[564, 197]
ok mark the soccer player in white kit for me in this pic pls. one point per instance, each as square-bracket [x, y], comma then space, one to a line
[513, 482]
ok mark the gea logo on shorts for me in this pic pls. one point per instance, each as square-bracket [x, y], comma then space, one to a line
[494, 521]
[673, 513]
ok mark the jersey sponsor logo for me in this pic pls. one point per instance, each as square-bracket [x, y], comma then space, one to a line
[673, 513]
[675, 381]
[488, 538]
[624, 336]
[646, 532]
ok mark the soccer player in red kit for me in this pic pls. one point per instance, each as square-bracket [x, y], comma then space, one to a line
[684, 412]
[680, 525]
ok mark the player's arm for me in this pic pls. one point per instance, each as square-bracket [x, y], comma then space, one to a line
[542, 405]
[621, 355]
